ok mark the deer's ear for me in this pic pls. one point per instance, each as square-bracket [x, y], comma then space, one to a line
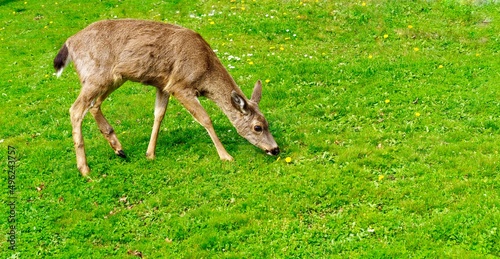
[239, 103]
[257, 92]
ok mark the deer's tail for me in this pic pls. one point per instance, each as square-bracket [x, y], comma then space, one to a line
[61, 61]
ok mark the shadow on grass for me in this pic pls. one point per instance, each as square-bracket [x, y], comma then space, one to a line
[4, 2]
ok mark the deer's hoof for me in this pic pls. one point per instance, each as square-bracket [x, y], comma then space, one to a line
[84, 170]
[120, 153]
[150, 156]
[227, 158]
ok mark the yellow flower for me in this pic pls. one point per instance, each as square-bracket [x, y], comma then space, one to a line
[387, 101]
[370, 56]
[410, 26]
[416, 49]
[380, 177]
[440, 66]
[417, 114]
[363, 4]
[267, 80]
[288, 159]
[281, 48]
[386, 36]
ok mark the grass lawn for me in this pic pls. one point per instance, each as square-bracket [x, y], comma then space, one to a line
[387, 113]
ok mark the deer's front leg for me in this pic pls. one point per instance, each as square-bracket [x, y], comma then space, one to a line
[161, 104]
[192, 104]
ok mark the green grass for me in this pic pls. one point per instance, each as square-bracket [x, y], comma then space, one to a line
[389, 111]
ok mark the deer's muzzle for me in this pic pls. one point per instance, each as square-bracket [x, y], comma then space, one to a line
[274, 152]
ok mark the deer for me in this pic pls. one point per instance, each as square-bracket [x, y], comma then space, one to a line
[176, 61]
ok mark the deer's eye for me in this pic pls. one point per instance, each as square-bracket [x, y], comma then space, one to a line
[257, 128]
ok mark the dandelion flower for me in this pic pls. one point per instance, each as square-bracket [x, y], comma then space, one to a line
[416, 49]
[386, 36]
[387, 101]
[380, 177]
[288, 159]
[363, 4]
[410, 26]
[267, 80]
[440, 66]
[417, 114]
[370, 56]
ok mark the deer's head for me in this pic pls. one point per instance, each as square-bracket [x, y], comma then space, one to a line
[250, 122]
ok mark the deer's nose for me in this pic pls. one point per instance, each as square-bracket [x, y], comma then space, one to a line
[275, 151]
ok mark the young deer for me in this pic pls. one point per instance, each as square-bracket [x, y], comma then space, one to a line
[175, 60]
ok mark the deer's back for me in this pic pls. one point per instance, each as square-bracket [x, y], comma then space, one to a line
[153, 53]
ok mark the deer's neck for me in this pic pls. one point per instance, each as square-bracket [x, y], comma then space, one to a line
[222, 97]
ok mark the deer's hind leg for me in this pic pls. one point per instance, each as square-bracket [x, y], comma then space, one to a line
[107, 131]
[77, 112]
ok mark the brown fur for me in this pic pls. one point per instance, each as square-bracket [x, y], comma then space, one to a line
[176, 61]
